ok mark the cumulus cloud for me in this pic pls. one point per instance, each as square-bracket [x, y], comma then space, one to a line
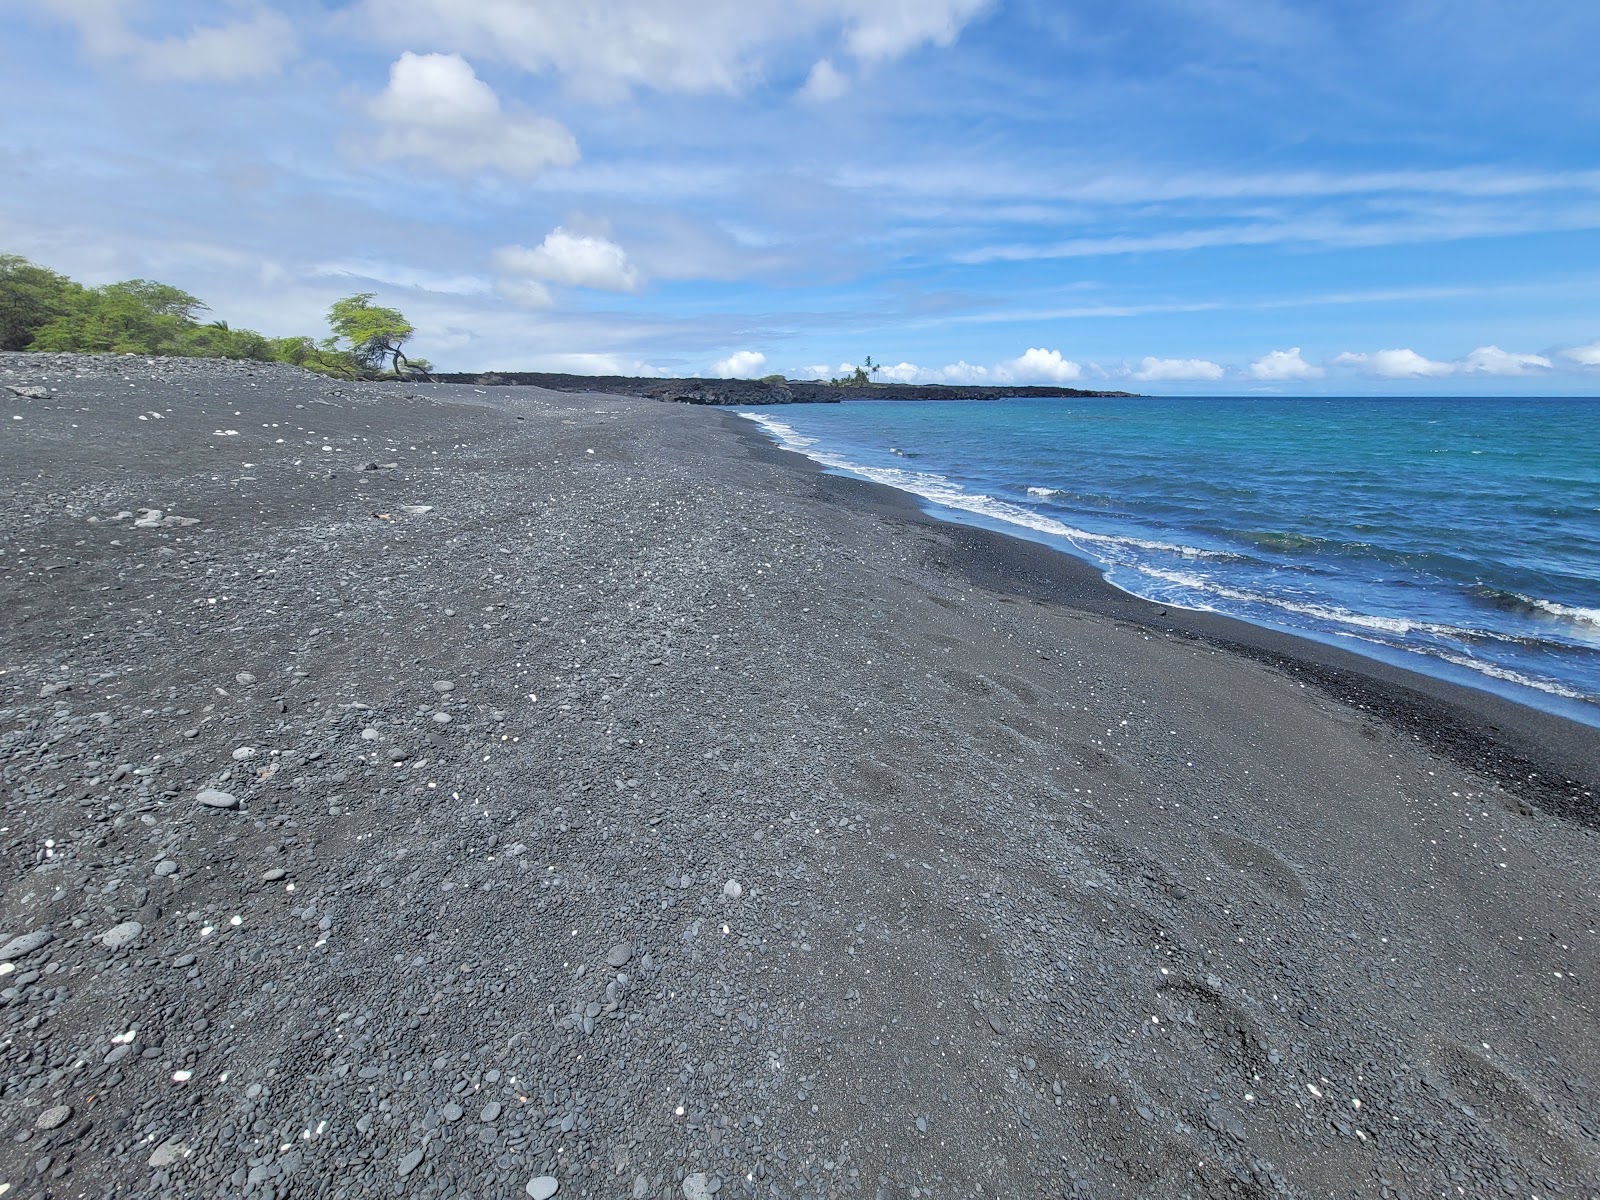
[1040, 366]
[569, 259]
[1165, 370]
[1491, 360]
[1034, 366]
[1284, 364]
[826, 82]
[613, 46]
[1408, 364]
[1586, 356]
[1397, 364]
[741, 364]
[436, 110]
[252, 48]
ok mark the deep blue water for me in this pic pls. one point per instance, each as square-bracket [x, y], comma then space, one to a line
[1456, 536]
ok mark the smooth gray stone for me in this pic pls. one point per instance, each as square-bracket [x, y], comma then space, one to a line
[52, 1118]
[212, 798]
[542, 1187]
[119, 937]
[25, 943]
[619, 954]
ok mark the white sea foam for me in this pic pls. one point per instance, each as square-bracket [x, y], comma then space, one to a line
[1495, 671]
[1396, 626]
[1572, 612]
[941, 490]
[1044, 493]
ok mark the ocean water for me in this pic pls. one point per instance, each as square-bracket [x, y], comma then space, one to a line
[1460, 537]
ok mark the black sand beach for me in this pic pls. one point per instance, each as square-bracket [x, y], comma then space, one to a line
[499, 789]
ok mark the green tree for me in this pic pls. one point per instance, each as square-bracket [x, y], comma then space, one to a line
[136, 316]
[31, 297]
[217, 340]
[369, 332]
[860, 377]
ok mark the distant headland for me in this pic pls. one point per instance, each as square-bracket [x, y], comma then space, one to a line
[771, 390]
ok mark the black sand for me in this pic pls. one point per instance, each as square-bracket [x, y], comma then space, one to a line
[927, 863]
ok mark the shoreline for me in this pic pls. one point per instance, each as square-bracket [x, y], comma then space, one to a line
[1518, 744]
[451, 791]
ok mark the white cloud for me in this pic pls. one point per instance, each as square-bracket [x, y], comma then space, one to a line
[1040, 366]
[903, 372]
[595, 364]
[826, 82]
[884, 29]
[1491, 360]
[529, 293]
[438, 111]
[612, 46]
[1398, 364]
[741, 364]
[402, 275]
[1035, 366]
[253, 48]
[1162, 370]
[571, 259]
[1587, 356]
[1284, 364]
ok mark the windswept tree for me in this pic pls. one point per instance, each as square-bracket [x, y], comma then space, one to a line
[369, 332]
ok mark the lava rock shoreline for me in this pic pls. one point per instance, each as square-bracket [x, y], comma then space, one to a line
[757, 391]
[495, 792]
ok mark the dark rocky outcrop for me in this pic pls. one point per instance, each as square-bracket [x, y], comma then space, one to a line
[753, 391]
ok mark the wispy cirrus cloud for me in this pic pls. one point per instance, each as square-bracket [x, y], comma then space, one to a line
[255, 46]
[608, 48]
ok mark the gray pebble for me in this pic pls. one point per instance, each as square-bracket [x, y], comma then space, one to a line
[244, 752]
[542, 1187]
[212, 798]
[411, 1161]
[697, 1187]
[443, 718]
[52, 1118]
[183, 960]
[119, 937]
[245, 678]
[168, 1153]
[166, 867]
[619, 954]
[490, 1112]
[273, 875]
[443, 685]
[452, 1111]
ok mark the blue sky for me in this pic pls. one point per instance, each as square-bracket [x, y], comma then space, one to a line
[1169, 196]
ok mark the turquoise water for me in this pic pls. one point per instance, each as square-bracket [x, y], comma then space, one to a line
[1456, 536]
